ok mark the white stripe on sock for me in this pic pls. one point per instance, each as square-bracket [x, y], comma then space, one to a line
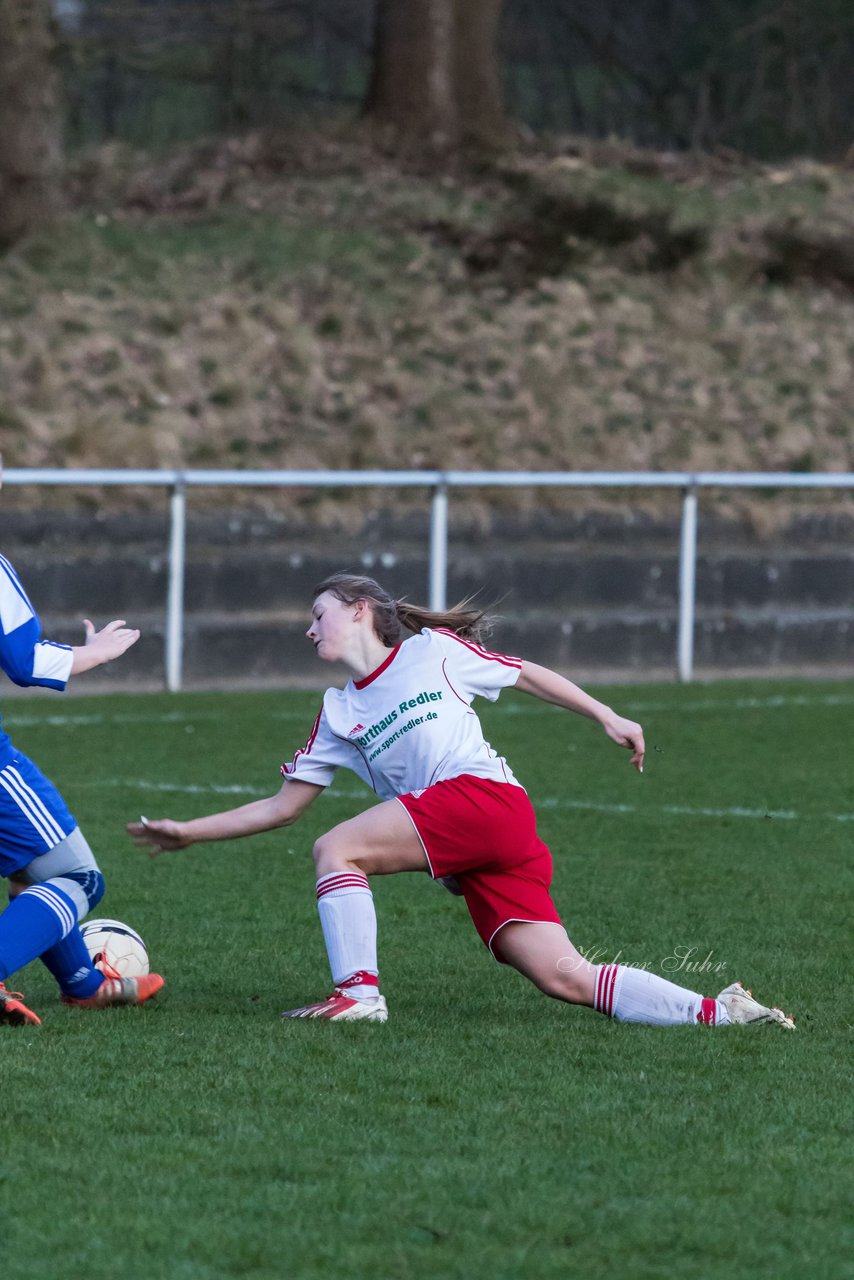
[66, 915]
[50, 898]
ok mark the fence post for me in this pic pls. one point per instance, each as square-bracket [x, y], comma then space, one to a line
[175, 599]
[687, 585]
[439, 549]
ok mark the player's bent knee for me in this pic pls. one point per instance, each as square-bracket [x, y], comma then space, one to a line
[92, 884]
[320, 852]
[329, 854]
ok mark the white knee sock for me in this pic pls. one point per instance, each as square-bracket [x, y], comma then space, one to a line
[633, 995]
[349, 923]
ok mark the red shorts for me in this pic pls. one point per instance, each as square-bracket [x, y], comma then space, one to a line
[484, 834]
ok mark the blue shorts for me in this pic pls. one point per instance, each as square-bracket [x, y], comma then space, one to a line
[33, 815]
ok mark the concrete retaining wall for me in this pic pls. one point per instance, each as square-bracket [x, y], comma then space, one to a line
[594, 596]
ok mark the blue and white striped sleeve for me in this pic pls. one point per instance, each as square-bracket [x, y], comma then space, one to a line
[24, 656]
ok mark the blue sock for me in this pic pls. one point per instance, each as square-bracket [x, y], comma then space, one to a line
[33, 922]
[70, 963]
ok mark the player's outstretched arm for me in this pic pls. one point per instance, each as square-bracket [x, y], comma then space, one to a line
[547, 685]
[102, 646]
[280, 810]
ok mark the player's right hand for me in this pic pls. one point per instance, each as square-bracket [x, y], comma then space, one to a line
[626, 733]
[160, 836]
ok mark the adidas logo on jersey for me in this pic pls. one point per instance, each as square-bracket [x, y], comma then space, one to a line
[357, 728]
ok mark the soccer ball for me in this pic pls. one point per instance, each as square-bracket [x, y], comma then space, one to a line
[116, 949]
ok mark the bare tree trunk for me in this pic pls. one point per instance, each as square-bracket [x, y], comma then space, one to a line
[436, 84]
[30, 143]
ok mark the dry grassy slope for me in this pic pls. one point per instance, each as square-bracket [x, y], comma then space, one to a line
[265, 304]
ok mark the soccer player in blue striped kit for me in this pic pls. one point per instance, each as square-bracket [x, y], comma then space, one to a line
[41, 844]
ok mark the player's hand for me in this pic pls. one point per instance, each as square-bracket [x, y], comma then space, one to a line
[626, 733]
[160, 836]
[102, 646]
[112, 640]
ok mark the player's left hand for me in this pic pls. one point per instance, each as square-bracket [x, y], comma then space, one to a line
[626, 733]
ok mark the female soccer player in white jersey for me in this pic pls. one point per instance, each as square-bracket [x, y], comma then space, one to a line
[41, 845]
[450, 807]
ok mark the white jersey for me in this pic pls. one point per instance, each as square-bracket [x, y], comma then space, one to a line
[410, 723]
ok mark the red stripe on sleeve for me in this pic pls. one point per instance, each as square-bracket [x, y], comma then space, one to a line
[504, 658]
[287, 769]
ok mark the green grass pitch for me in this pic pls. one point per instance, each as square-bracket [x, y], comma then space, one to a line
[485, 1131]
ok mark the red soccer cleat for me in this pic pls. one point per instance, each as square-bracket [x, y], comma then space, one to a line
[13, 1010]
[116, 991]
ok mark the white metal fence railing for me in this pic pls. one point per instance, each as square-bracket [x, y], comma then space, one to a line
[438, 483]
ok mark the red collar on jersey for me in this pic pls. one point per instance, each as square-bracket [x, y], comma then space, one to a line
[360, 684]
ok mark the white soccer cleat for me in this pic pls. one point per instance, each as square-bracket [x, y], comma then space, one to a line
[339, 1007]
[741, 1007]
